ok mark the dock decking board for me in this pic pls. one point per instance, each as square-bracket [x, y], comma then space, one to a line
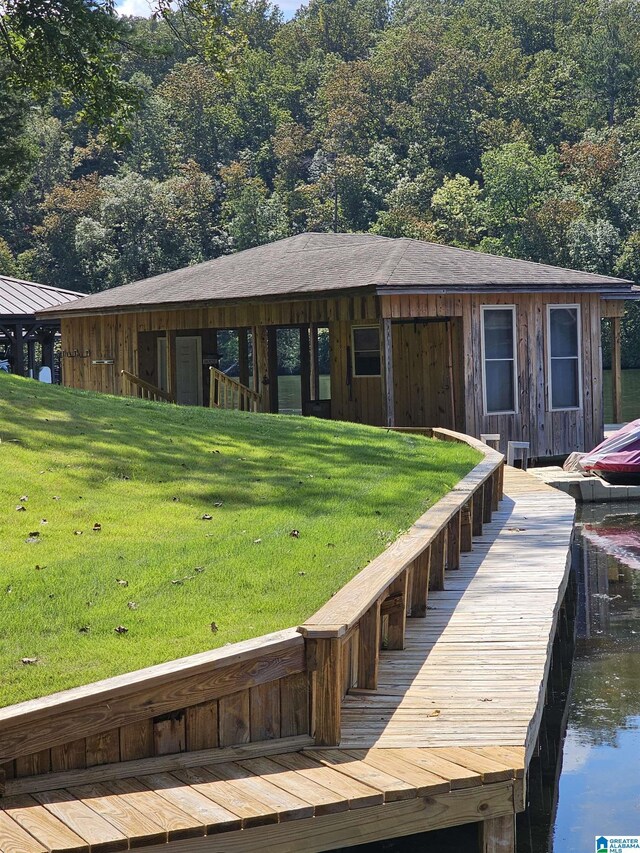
[444, 739]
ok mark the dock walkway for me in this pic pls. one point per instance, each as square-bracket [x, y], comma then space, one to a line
[445, 739]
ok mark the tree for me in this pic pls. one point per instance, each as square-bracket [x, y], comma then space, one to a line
[459, 212]
[515, 179]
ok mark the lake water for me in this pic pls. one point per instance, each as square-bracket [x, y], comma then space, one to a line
[630, 395]
[586, 780]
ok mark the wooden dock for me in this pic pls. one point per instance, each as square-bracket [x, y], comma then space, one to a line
[445, 738]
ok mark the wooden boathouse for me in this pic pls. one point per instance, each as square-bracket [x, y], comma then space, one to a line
[410, 702]
[420, 335]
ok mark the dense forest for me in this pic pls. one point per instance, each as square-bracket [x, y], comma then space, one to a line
[507, 126]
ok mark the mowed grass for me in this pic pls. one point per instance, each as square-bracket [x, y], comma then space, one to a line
[147, 473]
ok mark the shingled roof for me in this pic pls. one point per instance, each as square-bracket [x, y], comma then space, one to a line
[20, 298]
[330, 264]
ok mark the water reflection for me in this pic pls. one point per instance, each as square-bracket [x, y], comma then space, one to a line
[599, 786]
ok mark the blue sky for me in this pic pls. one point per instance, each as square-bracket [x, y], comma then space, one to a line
[142, 8]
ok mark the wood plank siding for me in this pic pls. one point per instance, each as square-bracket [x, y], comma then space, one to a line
[437, 358]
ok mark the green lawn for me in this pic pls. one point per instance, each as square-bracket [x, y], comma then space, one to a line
[147, 473]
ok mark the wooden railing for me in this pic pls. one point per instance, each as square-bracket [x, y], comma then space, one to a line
[228, 393]
[259, 692]
[248, 692]
[345, 636]
[145, 389]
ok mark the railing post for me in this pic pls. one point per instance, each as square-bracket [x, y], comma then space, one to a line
[398, 615]
[453, 541]
[420, 590]
[487, 499]
[369, 648]
[326, 654]
[466, 532]
[477, 514]
[436, 575]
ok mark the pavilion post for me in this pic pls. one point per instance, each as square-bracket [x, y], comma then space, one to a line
[17, 350]
[243, 356]
[386, 370]
[272, 362]
[305, 368]
[171, 363]
[314, 380]
[616, 369]
[261, 348]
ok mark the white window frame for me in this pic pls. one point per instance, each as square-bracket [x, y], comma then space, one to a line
[511, 308]
[353, 352]
[550, 308]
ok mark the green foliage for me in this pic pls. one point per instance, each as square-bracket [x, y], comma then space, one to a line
[509, 126]
[148, 473]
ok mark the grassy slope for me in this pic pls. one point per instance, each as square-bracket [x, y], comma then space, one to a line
[147, 473]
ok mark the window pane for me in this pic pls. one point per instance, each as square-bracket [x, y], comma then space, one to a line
[563, 329]
[498, 333]
[564, 383]
[366, 339]
[500, 393]
[367, 364]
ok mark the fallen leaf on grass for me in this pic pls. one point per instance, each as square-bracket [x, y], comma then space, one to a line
[330, 545]
[206, 517]
[132, 605]
[84, 630]
[218, 504]
[21, 508]
[120, 629]
[96, 527]
[295, 534]
[257, 541]
[178, 582]
[214, 628]
[43, 521]
[39, 568]
[24, 498]
[34, 536]
[56, 497]
[302, 573]
[199, 569]
[122, 582]
[27, 661]
[77, 532]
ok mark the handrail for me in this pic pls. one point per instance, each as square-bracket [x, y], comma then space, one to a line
[228, 393]
[343, 639]
[342, 612]
[148, 391]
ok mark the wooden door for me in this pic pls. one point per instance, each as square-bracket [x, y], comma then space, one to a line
[189, 370]
[425, 366]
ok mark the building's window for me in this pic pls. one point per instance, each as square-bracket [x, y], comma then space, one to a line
[366, 350]
[499, 359]
[563, 348]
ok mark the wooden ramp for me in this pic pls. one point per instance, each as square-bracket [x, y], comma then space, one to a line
[445, 739]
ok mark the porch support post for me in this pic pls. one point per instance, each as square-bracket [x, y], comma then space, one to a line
[498, 835]
[171, 362]
[47, 342]
[243, 356]
[305, 368]
[388, 403]
[254, 359]
[616, 369]
[17, 350]
[272, 367]
[314, 380]
[260, 345]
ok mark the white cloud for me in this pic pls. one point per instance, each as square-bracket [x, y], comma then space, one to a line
[139, 8]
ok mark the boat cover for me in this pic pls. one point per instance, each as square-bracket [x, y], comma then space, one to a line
[620, 453]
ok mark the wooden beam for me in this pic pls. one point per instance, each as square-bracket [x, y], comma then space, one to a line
[314, 366]
[272, 368]
[324, 656]
[388, 402]
[17, 350]
[305, 367]
[243, 356]
[261, 348]
[171, 363]
[498, 835]
[616, 369]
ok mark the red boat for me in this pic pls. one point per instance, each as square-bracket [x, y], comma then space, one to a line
[617, 458]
